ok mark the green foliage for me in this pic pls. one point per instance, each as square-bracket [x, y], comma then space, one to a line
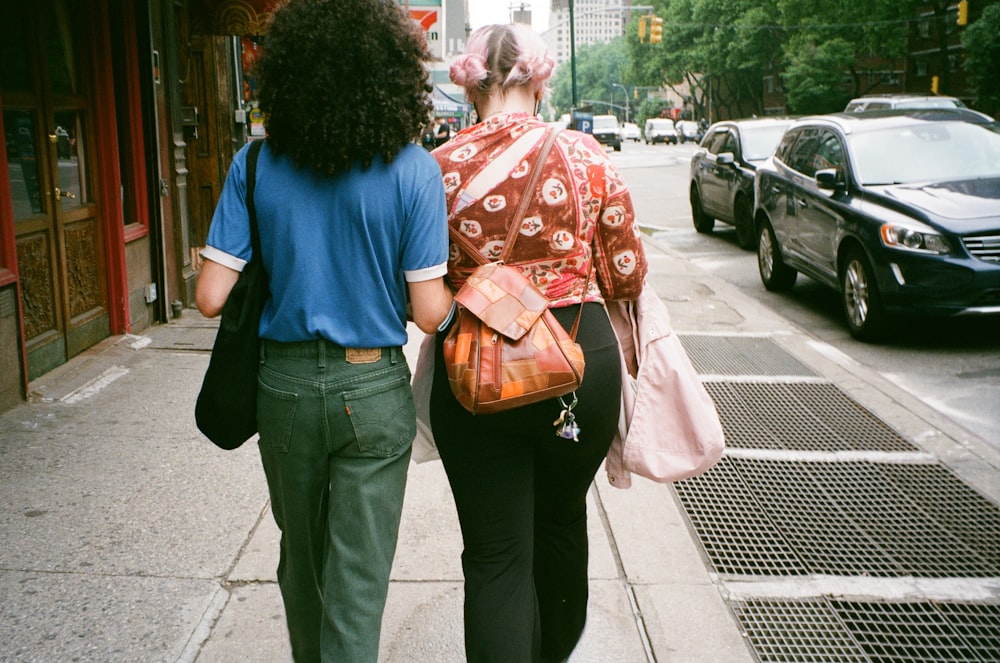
[598, 68]
[732, 45]
[813, 80]
[982, 59]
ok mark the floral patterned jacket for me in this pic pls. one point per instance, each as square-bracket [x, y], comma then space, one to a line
[581, 214]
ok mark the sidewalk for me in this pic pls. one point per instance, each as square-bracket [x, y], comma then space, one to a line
[129, 537]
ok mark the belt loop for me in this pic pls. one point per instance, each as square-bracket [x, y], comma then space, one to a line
[263, 355]
[395, 353]
[321, 352]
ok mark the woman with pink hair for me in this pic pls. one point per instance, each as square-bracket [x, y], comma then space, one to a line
[520, 478]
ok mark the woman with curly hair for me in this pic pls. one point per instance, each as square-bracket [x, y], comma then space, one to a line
[520, 477]
[353, 230]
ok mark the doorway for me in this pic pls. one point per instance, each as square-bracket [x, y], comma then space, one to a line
[48, 120]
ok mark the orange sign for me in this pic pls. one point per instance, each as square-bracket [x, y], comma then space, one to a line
[425, 17]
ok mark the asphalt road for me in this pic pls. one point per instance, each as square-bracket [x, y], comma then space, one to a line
[951, 365]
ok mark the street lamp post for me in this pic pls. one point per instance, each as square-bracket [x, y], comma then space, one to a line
[572, 51]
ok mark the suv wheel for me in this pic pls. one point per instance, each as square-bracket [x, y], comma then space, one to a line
[703, 223]
[774, 273]
[862, 302]
[743, 220]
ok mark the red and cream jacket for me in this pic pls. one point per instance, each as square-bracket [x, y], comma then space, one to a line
[581, 212]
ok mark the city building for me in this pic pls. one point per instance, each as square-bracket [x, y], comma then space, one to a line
[596, 22]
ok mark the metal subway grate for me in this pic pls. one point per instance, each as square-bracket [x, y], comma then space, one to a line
[909, 632]
[943, 496]
[978, 624]
[737, 534]
[845, 518]
[799, 416]
[741, 355]
[805, 631]
[820, 630]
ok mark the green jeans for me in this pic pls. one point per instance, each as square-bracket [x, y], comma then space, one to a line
[336, 428]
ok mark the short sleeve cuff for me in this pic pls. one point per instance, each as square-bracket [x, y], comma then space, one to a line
[223, 258]
[425, 274]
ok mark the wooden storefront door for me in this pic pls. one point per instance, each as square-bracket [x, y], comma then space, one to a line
[50, 142]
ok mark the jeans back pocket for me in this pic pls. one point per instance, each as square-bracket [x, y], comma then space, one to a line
[382, 416]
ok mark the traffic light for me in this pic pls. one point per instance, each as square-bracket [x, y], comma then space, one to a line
[934, 84]
[963, 13]
[655, 29]
[642, 29]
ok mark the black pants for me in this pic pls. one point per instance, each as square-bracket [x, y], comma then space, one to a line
[521, 493]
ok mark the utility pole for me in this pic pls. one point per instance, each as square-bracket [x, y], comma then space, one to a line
[572, 51]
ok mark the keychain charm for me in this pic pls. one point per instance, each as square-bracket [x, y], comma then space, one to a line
[566, 426]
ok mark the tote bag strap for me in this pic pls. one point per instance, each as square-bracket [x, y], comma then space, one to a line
[251, 169]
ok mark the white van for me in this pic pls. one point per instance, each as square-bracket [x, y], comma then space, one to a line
[660, 130]
[606, 131]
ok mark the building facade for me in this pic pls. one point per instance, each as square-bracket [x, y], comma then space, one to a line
[119, 119]
[596, 22]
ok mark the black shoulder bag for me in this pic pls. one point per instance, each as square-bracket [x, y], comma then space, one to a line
[226, 410]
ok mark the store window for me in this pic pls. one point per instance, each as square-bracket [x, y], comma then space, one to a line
[128, 118]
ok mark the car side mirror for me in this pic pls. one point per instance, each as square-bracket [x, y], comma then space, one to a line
[830, 178]
[724, 159]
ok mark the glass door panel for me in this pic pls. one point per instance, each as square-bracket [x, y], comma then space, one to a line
[22, 162]
[69, 139]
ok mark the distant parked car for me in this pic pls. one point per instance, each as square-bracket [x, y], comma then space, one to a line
[606, 131]
[660, 130]
[722, 173]
[688, 130]
[891, 101]
[630, 131]
[896, 210]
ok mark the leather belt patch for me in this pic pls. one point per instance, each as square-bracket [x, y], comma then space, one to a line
[363, 355]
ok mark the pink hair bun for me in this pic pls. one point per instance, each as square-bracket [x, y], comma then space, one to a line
[468, 70]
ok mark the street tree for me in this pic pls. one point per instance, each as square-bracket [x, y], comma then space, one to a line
[599, 67]
[723, 50]
[981, 41]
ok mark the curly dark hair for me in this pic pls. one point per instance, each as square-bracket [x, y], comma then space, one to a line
[342, 81]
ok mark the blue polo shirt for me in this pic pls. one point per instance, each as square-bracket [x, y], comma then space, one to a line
[338, 251]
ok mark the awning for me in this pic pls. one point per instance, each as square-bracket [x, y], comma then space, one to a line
[446, 103]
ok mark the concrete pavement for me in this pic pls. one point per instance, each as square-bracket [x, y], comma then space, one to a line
[128, 537]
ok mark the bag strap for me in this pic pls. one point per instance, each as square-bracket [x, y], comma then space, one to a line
[529, 193]
[251, 169]
[512, 230]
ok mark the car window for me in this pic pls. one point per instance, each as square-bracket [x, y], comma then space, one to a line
[728, 144]
[800, 157]
[829, 153]
[783, 151]
[759, 142]
[925, 152]
[713, 140]
[722, 141]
